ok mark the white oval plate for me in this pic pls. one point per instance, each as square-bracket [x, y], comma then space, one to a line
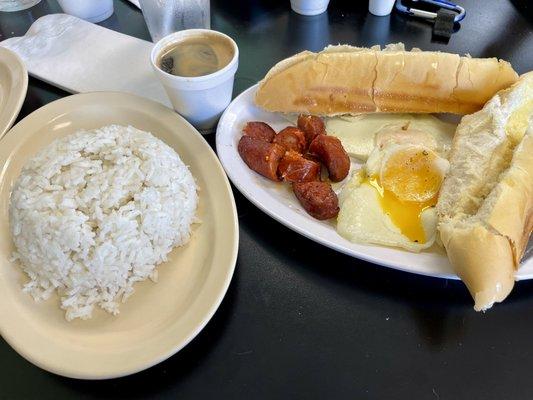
[159, 318]
[278, 202]
[13, 87]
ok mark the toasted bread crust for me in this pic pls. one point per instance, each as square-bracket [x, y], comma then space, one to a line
[351, 80]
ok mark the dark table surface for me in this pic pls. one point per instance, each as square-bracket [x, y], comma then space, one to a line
[300, 320]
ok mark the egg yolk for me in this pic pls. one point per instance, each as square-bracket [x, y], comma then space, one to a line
[409, 183]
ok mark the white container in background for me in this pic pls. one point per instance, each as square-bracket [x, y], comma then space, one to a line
[164, 17]
[89, 10]
[199, 99]
[17, 5]
[380, 7]
[309, 7]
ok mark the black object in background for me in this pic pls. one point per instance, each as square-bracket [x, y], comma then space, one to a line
[443, 25]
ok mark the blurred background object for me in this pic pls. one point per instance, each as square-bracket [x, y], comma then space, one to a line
[92, 11]
[443, 15]
[428, 9]
[309, 7]
[17, 5]
[380, 8]
[164, 17]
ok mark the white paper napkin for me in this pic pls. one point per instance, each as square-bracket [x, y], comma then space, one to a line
[78, 56]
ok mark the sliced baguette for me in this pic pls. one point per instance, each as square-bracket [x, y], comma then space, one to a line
[351, 80]
[485, 204]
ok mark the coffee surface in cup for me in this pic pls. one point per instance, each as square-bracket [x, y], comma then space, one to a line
[195, 56]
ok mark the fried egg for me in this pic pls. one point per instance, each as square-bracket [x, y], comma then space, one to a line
[360, 134]
[391, 200]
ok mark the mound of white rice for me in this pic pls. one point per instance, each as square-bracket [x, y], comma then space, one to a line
[95, 212]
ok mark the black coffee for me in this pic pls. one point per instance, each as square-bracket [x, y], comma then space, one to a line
[196, 56]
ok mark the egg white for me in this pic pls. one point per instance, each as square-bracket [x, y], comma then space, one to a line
[362, 218]
[360, 134]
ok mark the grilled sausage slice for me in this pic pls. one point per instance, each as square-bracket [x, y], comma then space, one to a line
[259, 130]
[295, 168]
[291, 138]
[312, 126]
[317, 198]
[329, 150]
[261, 156]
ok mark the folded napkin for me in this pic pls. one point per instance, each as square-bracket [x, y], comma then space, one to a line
[78, 56]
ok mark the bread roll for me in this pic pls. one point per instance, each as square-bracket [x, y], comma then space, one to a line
[351, 80]
[485, 204]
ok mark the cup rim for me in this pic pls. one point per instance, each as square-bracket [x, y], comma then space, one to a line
[158, 46]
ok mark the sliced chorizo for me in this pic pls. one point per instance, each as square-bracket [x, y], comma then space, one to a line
[295, 168]
[291, 138]
[317, 198]
[261, 156]
[311, 126]
[329, 150]
[259, 130]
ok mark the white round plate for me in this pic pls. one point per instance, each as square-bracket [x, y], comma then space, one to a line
[279, 202]
[159, 318]
[13, 87]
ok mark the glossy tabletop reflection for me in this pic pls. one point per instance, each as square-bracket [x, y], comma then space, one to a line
[301, 320]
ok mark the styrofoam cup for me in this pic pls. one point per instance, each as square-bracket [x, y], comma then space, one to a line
[380, 7]
[89, 10]
[309, 7]
[199, 99]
